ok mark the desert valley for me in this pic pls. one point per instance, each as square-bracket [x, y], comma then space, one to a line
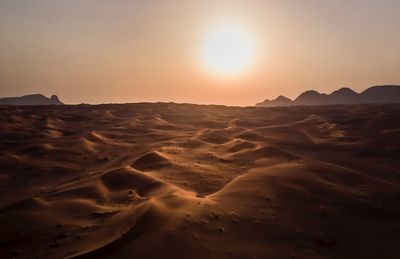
[164, 180]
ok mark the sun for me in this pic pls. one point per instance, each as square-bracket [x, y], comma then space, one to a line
[227, 49]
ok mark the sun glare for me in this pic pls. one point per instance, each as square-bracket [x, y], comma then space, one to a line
[227, 49]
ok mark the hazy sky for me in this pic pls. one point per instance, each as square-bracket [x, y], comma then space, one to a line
[129, 51]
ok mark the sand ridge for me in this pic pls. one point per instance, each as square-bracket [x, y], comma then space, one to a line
[199, 181]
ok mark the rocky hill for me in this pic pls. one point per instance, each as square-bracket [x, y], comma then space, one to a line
[33, 99]
[375, 94]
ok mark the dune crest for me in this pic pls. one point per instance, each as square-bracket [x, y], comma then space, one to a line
[151, 161]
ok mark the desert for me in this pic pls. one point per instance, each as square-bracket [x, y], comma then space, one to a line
[187, 129]
[167, 180]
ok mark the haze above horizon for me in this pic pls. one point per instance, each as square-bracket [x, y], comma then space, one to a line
[100, 51]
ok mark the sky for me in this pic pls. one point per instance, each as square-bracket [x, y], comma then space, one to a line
[103, 51]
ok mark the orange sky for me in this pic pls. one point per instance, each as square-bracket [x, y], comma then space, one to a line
[98, 51]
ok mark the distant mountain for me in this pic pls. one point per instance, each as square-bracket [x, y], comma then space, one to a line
[280, 101]
[375, 94]
[33, 99]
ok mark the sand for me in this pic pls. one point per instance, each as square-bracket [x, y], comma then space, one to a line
[170, 180]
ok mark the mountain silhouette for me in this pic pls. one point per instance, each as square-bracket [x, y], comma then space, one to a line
[280, 101]
[375, 94]
[33, 99]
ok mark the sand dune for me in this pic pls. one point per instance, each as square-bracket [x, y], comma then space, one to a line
[195, 181]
